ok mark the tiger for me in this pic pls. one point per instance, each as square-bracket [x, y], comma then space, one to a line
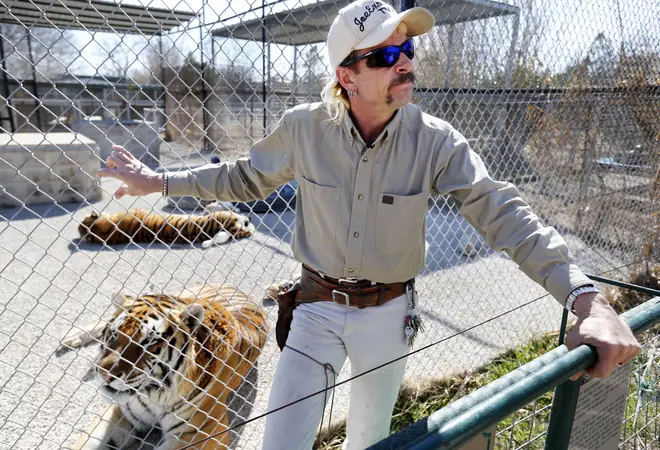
[140, 225]
[171, 361]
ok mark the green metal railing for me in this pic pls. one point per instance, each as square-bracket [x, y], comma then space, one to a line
[460, 421]
[566, 395]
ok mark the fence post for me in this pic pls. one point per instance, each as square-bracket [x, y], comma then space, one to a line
[5, 85]
[562, 414]
[407, 4]
[564, 404]
[35, 89]
[203, 67]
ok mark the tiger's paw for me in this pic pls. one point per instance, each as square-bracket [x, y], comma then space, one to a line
[220, 238]
[84, 336]
[276, 288]
[75, 341]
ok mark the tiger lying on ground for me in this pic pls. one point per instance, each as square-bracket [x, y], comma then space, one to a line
[140, 225]
[171, 362]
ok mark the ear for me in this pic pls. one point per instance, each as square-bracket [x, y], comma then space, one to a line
[193, 315]
[94, 215]
[220, 238]
[345, 77]
[244, 222]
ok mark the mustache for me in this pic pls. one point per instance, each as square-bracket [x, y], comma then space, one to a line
[403, 78]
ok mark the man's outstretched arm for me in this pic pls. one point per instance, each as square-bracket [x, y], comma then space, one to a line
[269, 166]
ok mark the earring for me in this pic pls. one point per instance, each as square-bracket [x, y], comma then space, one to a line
[352, 93]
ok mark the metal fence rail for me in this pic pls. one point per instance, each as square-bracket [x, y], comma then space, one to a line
[561, 98]
[467, 417]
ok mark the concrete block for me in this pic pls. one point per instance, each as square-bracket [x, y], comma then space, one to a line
[47, 168]
[141, 138]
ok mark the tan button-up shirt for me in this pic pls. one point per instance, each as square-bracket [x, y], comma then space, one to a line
[361, 210]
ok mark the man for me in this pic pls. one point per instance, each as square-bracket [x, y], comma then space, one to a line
[366, 161]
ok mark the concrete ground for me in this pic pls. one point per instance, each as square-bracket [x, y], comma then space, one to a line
[474, 307]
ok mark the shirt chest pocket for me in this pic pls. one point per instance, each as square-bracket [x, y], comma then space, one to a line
[401, 221]
[320, 209]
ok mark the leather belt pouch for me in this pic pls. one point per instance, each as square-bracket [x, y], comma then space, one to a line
[286, 302]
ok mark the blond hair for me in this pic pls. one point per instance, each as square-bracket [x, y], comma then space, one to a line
[335, 96]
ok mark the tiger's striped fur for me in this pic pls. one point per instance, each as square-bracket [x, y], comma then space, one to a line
[140, 225]
[200, 343]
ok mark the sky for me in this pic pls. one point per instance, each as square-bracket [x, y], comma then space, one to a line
[572, 27]
[187, 39]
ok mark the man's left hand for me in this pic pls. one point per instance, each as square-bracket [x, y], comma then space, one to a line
[599, 325]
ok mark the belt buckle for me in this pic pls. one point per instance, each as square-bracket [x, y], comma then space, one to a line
[346, 297]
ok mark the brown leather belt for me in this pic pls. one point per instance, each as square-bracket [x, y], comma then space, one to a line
[361, 293]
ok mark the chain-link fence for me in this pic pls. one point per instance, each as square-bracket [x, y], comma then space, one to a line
[562, 98]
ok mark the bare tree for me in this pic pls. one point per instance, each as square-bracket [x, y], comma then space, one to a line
[47, 51]
[475, 53]
[120, 57]
[602, 61]
[313, 70]
[158, 61]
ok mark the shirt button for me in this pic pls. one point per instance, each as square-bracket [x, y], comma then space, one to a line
[351, 270]
[356, 234]
[360, 196]
[365, 159]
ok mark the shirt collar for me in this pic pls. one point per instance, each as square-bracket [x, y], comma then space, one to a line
[352, 132]
[391, 127]
[349, 128]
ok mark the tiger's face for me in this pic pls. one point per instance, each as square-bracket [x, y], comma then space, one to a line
[239, 226]
[144, 349]
[94, 227]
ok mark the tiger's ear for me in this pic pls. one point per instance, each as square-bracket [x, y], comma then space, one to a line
[193, 315]
[94, 215]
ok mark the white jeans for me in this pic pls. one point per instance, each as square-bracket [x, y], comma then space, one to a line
[328, 332]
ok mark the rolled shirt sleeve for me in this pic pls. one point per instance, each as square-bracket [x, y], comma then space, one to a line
[268, 167]
[498, 212]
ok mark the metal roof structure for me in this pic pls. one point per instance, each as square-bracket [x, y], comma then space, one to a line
[92, 15]
[310, 23]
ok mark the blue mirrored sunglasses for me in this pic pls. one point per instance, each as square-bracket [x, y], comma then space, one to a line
[385, 56]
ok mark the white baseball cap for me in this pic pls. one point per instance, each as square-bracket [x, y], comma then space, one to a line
[366, 23]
